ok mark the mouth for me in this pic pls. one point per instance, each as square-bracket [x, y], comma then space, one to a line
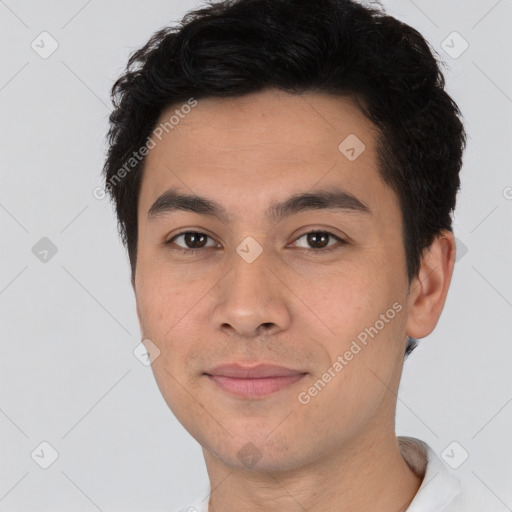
[253, 382]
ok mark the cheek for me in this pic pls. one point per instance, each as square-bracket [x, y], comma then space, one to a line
[169, 310]
[364, 366]
[364, 310]
[346, 301]
[161, 294]
[154, 304]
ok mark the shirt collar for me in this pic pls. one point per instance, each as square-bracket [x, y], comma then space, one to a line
[438, 487]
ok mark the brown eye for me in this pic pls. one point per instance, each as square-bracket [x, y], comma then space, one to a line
[192, 240]
[319, 240]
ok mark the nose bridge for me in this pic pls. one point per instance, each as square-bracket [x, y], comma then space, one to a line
[251, 295]
[250, 276]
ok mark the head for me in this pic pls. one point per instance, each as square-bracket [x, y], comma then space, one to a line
[284, 175]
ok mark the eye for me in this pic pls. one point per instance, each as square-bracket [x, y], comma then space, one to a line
[193, 240]
[319, 241]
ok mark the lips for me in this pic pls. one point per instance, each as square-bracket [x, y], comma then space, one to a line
[253, 381]
[251, 372]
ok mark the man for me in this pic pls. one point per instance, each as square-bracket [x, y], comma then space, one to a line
[284, 174]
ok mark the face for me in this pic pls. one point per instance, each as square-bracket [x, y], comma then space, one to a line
[249, 278]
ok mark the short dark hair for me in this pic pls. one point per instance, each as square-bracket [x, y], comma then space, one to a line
[340, 47]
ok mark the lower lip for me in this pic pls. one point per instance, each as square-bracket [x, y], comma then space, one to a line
[254, 388]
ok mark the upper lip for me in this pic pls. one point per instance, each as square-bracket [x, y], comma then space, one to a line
[251, 372]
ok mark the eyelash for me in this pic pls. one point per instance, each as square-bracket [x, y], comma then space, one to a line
[328, 249]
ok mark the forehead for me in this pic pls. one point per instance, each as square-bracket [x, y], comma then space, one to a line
[307, 124]
[245, 152]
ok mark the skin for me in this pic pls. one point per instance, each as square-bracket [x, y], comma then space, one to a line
[295, 305]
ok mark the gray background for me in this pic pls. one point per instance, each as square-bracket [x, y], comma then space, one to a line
[68, 375]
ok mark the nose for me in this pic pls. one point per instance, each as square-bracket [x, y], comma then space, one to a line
[253, 301]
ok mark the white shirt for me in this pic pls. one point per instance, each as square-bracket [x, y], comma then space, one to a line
[440, 490]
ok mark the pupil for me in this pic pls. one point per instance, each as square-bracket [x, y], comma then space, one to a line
[313, 236]
[191, 239]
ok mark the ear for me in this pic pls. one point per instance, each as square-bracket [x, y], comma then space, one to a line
[428, 291]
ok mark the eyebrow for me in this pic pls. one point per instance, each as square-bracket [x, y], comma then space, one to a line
[325, 199]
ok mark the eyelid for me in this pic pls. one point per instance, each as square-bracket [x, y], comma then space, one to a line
[195, 232]
[341, 241]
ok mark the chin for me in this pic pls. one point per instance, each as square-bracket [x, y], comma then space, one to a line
[259, 453]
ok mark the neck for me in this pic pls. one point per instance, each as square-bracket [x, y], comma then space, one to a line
[369, 474]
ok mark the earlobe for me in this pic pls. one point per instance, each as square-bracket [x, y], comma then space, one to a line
[429, 289]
